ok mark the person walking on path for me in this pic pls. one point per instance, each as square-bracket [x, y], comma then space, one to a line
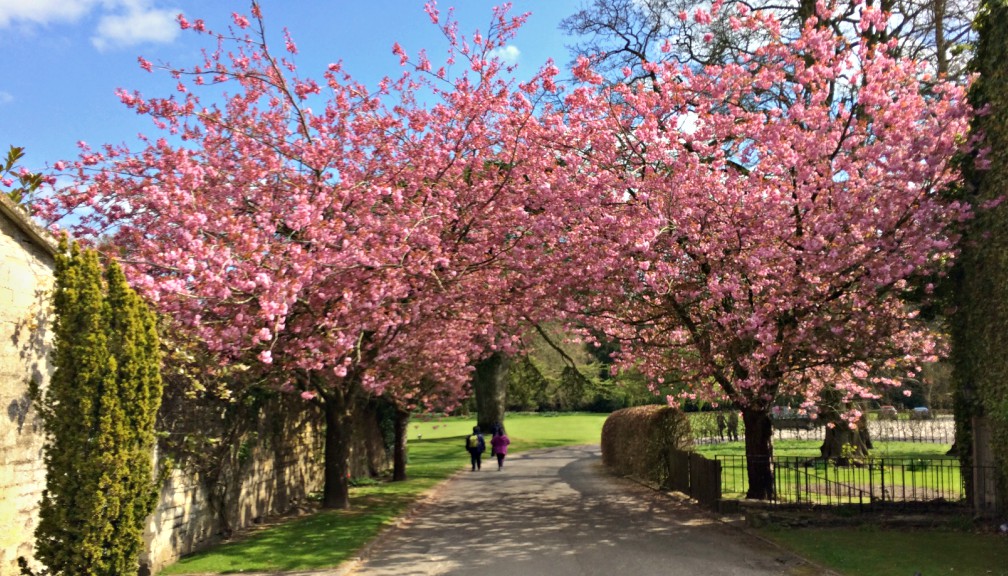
[499, 445]
[476, 446]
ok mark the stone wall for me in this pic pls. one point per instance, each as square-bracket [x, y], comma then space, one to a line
[26, 279]
[271, 469]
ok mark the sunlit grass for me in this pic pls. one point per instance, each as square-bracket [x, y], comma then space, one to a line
[872, 551]
[328, 538]
[810, 448]
[734, 480]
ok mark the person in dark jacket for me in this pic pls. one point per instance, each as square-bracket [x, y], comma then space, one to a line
[733, 425]
[476, 446]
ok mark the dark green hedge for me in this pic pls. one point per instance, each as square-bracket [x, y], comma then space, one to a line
[980, 279]
[639, 441]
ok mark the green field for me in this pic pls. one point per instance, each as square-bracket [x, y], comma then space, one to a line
[327, 538]
[874, 551]
[904, 470]
[810, 449]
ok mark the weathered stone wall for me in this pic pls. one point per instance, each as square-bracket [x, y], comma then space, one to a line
[26, 278]
[271, 469]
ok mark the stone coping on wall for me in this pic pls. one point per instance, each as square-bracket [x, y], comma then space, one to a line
[23, 221]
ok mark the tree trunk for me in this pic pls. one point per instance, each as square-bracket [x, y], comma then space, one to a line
[336, 490]
[844, 445]
[759, 453]
[490, 387]
[806, 10]
[402, 418]
[941, 44]
[841, 443]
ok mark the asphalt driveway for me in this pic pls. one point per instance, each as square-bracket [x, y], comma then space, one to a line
[558, 512]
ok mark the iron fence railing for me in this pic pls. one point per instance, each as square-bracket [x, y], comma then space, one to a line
[872, 482]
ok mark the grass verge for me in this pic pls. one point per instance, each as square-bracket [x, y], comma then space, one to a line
[329, 537]
[875, 551]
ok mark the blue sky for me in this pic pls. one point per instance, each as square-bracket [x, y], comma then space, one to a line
[62, 60]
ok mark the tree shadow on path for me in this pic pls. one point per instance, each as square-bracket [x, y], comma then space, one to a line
[558, 512]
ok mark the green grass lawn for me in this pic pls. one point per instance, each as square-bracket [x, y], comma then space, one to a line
[877, 551]
[901, 471]
[872, 551]
[327, 538]
[810, 448]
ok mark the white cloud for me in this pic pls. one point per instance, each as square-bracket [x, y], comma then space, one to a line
[6, 97]
[120, 22]
[508, 54]
[139, 23]
[43, 11]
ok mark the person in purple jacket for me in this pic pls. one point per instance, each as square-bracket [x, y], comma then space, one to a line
[499, 444]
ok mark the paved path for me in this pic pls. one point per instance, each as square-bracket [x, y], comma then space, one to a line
[557, 512]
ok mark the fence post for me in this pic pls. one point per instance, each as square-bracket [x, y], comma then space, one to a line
[797, 483]
[704, 480]
[871, 481]
[882, 470]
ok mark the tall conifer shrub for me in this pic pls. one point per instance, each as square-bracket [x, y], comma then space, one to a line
[98, 413]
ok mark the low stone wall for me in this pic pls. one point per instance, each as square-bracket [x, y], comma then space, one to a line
[272, 470]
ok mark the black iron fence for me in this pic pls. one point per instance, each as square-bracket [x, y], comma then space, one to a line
[871, 483]
[694, 475]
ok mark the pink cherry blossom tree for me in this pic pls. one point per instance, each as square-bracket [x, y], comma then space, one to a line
[742, 226]
[770, 217]
[339, 234]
